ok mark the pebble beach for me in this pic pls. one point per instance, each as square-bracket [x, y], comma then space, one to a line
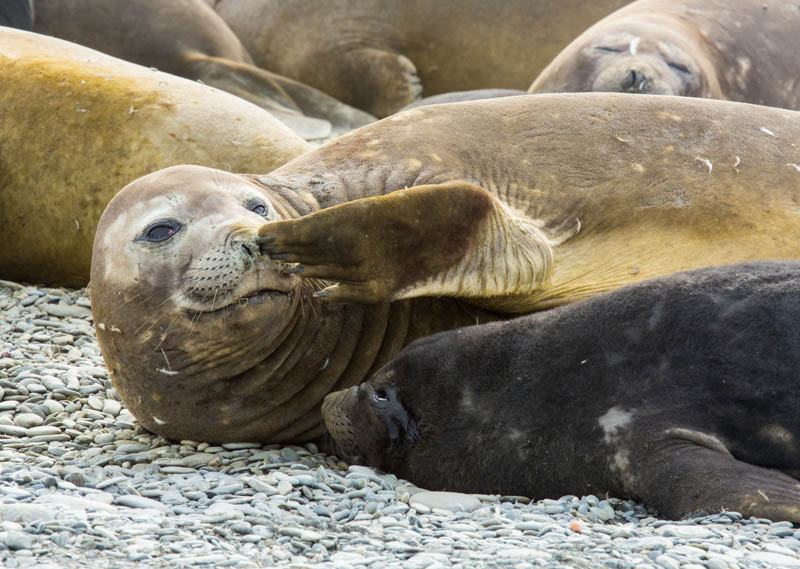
[83, 485]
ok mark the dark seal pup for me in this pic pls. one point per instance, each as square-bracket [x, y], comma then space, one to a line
[681, 392]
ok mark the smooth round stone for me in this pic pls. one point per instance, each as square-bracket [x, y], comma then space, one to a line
[200, 459]
[43, 431]
[95, 402]
[53, 406]
[450, 501]
[773, 559]
[133, 501]
[667, 562]
[27, 420]
[14, 430]
[111, 407]
[685, 531]
[52, 383]
[63, 340]
[16, 540]
[25, 513]
[104, 438]
[64, 310]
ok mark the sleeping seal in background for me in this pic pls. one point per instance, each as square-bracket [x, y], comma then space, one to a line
[680, 392]
[381, 55]
[77, 125]
[740, 50]
[186, 38]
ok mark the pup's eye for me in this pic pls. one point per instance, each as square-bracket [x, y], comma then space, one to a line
[161, 231]
[260, 209]
[608, 49]
[678, 67]
[380, 395]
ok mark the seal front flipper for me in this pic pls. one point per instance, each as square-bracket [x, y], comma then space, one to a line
[683, 477]
[451, 239]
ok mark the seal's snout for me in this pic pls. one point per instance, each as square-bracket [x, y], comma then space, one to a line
[635, 80]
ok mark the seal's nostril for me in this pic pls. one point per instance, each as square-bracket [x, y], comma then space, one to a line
[247, 250]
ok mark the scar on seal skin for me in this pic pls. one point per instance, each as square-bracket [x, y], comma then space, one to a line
[678, 392]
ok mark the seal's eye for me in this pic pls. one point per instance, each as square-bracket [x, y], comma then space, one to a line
[380, 395]
[608, 49]
[160, 231]
[678, 67]
[260, 209]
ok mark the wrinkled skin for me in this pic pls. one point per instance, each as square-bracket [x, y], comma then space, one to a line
[678, 392]
[418, 224]
[720, 49]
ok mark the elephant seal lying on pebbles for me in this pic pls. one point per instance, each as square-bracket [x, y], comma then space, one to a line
[740, 50]
[213, 324]
[679, 392]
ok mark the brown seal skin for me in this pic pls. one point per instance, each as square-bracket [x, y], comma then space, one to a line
[186, 38]
[581, 194]
[378, 55]
[680, 392]
[738, 50]
[77, 125]
[464, 96]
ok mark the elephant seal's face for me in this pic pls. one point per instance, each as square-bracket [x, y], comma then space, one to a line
[182, 296]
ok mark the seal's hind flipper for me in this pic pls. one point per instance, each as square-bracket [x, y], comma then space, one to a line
[683, 477]
[383, 81]
[452, 239]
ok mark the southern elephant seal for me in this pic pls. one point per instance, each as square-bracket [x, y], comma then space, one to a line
[513, 205]
[379, 55]
[680, 392]
[739, 50]
[186, 38]
[77, 125]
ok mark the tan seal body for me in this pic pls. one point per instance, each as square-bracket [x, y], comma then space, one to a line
[739, 50]
[186, 38]
[78, 125]
[373, 53]
[513, 204]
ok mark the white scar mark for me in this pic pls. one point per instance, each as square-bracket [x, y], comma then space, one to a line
[706, 162]
[159, 421]
[635, 45]
[765, 130]
[614, 419]
[166, 371]
[763, 495]
[795, 166]
[736, 164]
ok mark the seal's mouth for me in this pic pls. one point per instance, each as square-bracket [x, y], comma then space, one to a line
[256, 297]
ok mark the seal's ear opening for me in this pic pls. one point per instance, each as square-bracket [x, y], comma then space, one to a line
[387, 407]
